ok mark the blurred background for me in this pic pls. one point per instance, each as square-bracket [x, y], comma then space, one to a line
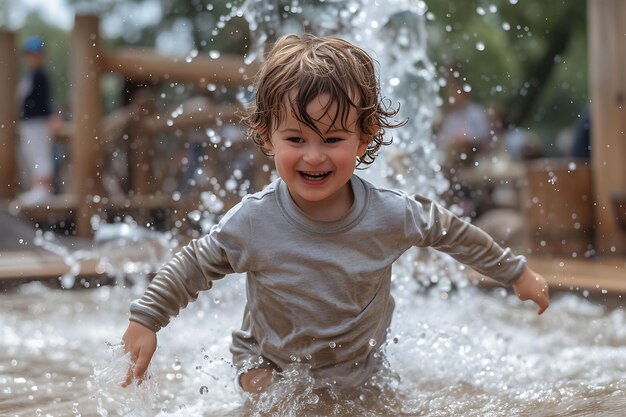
[514, 75]
[527, 57]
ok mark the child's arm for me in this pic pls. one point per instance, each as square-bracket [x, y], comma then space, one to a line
[141, 343]
[179, 282]
[436, 227]
[531, 286]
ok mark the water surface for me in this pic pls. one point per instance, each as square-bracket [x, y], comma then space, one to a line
[476, 353]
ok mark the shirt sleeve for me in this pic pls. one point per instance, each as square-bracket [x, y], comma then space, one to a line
[193, 269]
[427, 224]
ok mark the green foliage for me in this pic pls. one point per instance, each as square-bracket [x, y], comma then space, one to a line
[498, 46]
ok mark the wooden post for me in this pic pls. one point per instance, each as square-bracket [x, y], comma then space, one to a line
[8, 113]
[87, 114]
[140, 158]
[607, 86]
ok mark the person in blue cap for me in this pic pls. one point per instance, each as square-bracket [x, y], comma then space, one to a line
[36, 122]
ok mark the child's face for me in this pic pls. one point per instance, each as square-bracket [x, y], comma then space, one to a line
[317, 169]
[34, 60]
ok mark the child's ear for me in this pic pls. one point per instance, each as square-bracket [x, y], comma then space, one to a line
[268, 148]
[266, 145]
[366, 139]
[364, 142]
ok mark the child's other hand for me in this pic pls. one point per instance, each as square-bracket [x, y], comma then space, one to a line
[141, 343]
[531, 286]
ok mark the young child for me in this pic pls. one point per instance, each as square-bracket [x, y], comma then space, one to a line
[317, 244]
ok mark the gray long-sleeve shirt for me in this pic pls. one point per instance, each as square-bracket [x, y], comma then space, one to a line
[317, 291]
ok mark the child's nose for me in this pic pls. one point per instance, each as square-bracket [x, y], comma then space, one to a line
[314, 155]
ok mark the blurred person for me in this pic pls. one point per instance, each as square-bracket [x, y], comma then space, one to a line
[511, 143]
[465, 128]
[463, 134]
[36, 125]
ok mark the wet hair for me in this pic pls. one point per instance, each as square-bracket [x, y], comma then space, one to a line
[308, 66]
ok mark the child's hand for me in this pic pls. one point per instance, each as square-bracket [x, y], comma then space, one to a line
[141, 343]
[531, 286]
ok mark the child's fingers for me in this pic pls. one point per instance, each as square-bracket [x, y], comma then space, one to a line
[541, 309]
[129, 378]
[543, 303]
[141, 364]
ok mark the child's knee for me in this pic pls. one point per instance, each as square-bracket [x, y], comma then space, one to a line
[256, 380]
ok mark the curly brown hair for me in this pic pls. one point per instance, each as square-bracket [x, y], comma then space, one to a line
[310, 66]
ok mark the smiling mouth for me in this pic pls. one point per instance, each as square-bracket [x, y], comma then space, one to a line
[314, 176]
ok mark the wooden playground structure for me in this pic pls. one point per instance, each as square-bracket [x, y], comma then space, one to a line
[91, 130]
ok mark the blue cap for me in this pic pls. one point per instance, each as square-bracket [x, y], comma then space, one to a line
[33, 44]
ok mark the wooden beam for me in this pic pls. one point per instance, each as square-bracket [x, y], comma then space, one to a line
[17, 266]
[192, 118]
[607, 86]
[597, 276]
[8, 113]
[147, 66]
[87, 114]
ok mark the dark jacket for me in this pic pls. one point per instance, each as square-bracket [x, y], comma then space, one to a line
[37, 101]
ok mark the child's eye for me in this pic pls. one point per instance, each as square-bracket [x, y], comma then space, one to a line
[333, 140]
[295, 139]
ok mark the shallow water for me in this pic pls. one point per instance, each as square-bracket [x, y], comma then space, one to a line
[476, 353]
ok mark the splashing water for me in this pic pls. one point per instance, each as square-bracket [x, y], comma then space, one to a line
[474, 354]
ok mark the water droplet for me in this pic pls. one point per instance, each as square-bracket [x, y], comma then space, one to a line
[214, 54]
[372, 342]
[176, 365]
[195, 215]
[204, 390]
[480, 46]
[230, 184]
[332, 345]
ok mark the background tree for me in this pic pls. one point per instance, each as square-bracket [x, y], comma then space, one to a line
[527, 56]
